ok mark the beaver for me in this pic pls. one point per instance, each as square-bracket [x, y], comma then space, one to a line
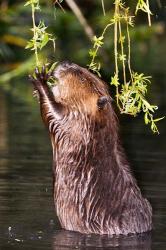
[94, 189]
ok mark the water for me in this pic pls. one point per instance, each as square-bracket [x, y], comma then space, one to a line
[27, 217]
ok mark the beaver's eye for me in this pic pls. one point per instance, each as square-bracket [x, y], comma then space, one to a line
[82, 79]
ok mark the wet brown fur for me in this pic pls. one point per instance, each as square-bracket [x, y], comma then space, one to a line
[94, 190]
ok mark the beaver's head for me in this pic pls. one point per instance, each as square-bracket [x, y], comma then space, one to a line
[78, 88]
[77, 96]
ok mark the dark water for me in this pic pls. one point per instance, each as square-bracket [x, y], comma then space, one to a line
[27, 217]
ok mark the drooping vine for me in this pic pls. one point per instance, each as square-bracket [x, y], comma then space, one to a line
[131, 92]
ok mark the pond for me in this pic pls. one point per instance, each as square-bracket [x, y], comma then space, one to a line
[27, 217]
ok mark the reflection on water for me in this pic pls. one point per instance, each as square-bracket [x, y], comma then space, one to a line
[27, 217]
[65, 239]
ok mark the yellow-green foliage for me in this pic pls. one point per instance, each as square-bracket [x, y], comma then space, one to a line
[131, 92]
[40, 36]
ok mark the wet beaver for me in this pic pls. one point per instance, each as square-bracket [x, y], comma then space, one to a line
[94, 190]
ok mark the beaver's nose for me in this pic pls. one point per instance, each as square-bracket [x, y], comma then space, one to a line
[62, 67]
[65, 67]
[66, 64]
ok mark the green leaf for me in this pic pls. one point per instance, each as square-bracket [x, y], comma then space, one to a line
[98, 41]
[29, 45]
[159, 119]
[27, 3]
[44, 40]
[122, 39]
[146, 119]
[92, 53]
[115, 81]
[122, 57]
[53, 66]
[148, 106]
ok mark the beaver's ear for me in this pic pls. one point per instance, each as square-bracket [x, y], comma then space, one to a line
[102, 102]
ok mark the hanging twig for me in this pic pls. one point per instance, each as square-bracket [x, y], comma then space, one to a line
[103, 7]
[149, 18]
[116, 38]
[122, 52]
[58, 3]
[129, 46]
[76, 10]
[159, 3]
[35, 35]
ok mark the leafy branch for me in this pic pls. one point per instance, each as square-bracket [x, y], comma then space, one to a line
[144, 6]
[97, 44]
[131, 94]
[40, 35]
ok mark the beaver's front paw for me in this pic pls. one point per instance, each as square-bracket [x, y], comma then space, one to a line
[40, 76]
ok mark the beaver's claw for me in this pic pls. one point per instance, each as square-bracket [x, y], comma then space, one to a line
[41, 76]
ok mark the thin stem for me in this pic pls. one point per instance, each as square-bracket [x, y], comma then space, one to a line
[116, 13]
[105, 29]
[57, 2]
[77, 11]
[103, 7]
[97, 48]
[129, 46]
[148, 12]
[122, 51]
[116, 37]
[35, 35]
